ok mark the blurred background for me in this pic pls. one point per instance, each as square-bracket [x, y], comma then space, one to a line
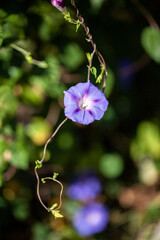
[110, 169]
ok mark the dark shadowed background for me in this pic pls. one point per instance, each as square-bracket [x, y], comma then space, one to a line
[110, 168]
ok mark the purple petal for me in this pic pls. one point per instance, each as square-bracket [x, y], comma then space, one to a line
[59, 4]
[96, 113]
[100, 104]
[85, 103]
[95, 94]
[82, 88]
[70, 99]
[82, 117]
[70, 110]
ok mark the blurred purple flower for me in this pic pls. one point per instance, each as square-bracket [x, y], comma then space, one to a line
[84, 103]
[91, 219]
[59, 4]
[85, 188]
[126, 72]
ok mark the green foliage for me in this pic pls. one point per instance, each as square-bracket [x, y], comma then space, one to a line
[8, 102]
[39, 165]
[146, 142]
[88, 56]
[20, 156]
[21, 209]
[56, 214]
[65, 140]
[94, 71]
[73, 56]
[100, 77]
[150, 40]
[111, 165]
[1, 35]
[69, 19]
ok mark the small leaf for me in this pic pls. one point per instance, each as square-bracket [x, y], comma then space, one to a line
[55, 175]
[53, 206]
[43, 180]
[88, 56]
[77, 26]
[94, 71]
[56, 214]
[38, 164]
[99, 79]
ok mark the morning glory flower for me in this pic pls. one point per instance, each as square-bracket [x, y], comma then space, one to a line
[91, 219]
[59, 4]
[84, 103]
[85, 187]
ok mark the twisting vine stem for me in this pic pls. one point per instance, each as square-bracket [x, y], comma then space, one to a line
[54, 209]
[90, 39]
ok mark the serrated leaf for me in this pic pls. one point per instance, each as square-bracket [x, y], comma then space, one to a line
[150, 39]
[94, 71]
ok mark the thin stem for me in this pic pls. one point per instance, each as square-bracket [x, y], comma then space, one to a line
[146, 14]
[38, 193]
[99, 55]
[19, 49]
[40, 162]
[60, 195]
[90, 63]
[48, 141]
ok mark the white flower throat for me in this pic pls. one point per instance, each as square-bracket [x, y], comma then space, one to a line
[84, 104]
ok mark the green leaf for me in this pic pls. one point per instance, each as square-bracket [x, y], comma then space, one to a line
[56, 214]
[99, 79]
[109, 83]
[39, 165]
[73, 56]
[77, 26]
[94, 71]
[53, 206]
[20, 156]
[150, 39]
[42, 179]
[88, 56]
[55, 175]
[8, 102]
